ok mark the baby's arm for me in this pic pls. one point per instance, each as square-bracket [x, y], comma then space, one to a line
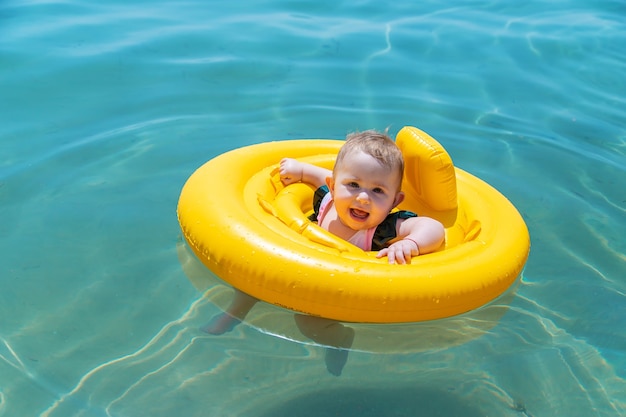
[418, 235]
[292, 171]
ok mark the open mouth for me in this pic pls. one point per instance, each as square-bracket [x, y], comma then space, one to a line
[359, 214]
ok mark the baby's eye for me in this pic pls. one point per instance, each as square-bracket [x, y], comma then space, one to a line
[353, 184]
[378, 190]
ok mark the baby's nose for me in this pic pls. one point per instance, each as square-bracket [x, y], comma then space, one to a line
[363, 197]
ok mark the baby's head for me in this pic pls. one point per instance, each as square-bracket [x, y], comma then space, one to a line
[376, 144]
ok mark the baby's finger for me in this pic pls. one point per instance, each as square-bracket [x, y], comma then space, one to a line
[400, 256]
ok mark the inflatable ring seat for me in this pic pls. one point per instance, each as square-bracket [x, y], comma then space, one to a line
[254, 233]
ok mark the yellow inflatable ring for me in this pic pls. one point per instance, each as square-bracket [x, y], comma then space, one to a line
[254, 233]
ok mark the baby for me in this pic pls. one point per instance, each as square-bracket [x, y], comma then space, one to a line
[353, 201]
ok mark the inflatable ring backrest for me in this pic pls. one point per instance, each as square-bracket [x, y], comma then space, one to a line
[428, 169]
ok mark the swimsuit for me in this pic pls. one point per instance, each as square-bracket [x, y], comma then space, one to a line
[375, 238]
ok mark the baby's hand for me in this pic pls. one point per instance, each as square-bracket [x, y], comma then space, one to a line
[400, 252]
[291, 171]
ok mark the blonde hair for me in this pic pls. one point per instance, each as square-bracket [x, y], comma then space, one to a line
[376, 144]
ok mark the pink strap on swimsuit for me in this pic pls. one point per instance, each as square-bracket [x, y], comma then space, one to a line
[361, 238]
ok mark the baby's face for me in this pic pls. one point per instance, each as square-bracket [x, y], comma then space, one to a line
[364, 191]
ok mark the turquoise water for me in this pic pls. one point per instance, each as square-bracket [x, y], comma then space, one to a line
[107, 108]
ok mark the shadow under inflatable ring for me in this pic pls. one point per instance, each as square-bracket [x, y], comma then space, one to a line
[388, 338]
